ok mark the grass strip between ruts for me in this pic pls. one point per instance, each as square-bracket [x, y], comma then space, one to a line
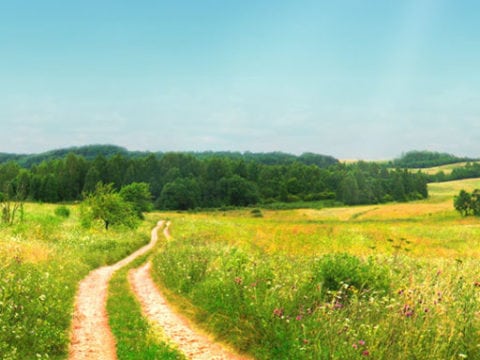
[135, 337]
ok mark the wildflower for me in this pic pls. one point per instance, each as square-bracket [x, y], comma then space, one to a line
[238, 280]
[366, 353]
[407, 310]
[278, 312]
[361, 342]
[298, 318]
[355, 346]
[337, 305]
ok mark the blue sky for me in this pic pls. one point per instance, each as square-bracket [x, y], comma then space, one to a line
[354, 78]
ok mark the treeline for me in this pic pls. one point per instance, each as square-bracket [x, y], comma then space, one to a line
[90, 152]
[469, 171]
[426, 159]
[184, 181]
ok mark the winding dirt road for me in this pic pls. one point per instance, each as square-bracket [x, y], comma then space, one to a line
[91, 336]
[154, 306]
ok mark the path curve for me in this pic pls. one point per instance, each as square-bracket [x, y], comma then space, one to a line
[91, 337]
[154, 306]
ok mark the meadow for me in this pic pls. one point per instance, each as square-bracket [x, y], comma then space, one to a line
[42, 260]
[397, 281]
[447, 169]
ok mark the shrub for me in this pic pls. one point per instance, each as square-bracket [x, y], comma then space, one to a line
[62, 211]
[256, 213]
[343, 273]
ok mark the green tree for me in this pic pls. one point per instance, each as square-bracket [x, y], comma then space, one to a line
[106, 205]
[239, 191]
[181, 194]
[463, 202]
[91, 179]
[139, 196]
[475, 203]
[348, 191]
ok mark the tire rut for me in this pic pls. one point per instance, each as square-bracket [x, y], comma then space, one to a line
[154, 306]
[91, 336]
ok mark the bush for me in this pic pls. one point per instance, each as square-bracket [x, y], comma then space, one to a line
[344, 273]
[62, 211]
[256, 213]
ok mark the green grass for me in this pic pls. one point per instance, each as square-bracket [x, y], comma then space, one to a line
[42, 261]
[409, 287]
[135, 337]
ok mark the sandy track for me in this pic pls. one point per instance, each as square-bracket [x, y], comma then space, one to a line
[154, 306]
[91, 336]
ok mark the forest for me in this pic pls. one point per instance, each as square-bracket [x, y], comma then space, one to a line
[426, 159]
[182, 181]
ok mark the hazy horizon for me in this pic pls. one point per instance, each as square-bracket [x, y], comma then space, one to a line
[356, 80]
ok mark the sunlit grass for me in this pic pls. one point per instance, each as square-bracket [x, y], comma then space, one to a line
[255, 275]
[136, 337]
[42, 260]
[447, 169]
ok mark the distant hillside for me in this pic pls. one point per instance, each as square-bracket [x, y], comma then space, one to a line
[272, 158]
[427, 159]
[90, 152]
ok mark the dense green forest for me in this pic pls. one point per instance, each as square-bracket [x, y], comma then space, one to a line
[90, 152]
[210, 180]
[426, 159]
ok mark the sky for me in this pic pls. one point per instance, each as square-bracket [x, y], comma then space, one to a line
[356, 79]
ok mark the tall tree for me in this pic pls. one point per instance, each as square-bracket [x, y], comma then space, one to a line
[139, 196]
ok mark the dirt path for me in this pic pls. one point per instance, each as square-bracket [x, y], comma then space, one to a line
[91, 336]
[175, 327]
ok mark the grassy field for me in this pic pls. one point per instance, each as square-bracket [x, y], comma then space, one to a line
[396, 281]
[447, 169]
[41, 262]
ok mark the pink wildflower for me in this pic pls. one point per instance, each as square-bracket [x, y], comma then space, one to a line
[278, 312]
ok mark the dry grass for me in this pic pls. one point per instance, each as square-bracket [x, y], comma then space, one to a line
[430, 228]
[447, 169]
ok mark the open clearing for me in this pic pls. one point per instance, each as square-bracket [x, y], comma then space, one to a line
[249, 280]
[244, 280]
[447, 169]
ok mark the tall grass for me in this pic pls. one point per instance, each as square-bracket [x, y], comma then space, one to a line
[41, 262]
[397, 281]
[328, 307]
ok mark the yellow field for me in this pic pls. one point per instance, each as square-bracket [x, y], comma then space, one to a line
[428, 228]
[447, 169]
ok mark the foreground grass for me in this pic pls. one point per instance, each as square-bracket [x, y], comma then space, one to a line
[397, 281]
[135, 337]
[41, 262]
